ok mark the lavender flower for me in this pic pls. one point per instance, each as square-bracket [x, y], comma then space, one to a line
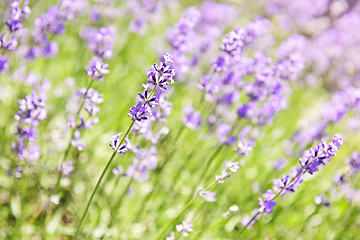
[158, 78]
[144, 161]
[162, 75]
[3, 64]
[119, 171]
[267, 205]
[77, 142]
[207, 195]
[17, 14]
[31, 112]
[97, 69]
[223, 132]
[171, 236]
[320, 200]
[66, 168]
[184, 228]
[191, 119]
[231, 167]
[91, 99]
[100, 40]
[115, 141]
[17, 172]
[311, 160]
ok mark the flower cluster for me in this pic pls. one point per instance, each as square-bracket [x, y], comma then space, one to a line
[18, 11]
[116, 145]
[341, 103]
[184, 228]
[159, 77]
[17, 14]
[99, 40]
[49, 24]
[89, 99]
[195, 33]
[191, 119]
[66, 168]
[207, 195]
[344, 177]
[144, 12]
[31, 112]
[231, 167]
[96, 69]
[144, 161]
[310, 162]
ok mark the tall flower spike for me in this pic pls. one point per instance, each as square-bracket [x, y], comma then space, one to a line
[114, 144]
[159, 76]
[97, 69]
[314, 157]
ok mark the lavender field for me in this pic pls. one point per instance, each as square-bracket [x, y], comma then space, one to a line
[179, 119]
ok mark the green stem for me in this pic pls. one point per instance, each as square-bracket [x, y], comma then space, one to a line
[145, 201]
[66, 153]
[100, 179]
[282, 189]
[118, 203]
[172, 223]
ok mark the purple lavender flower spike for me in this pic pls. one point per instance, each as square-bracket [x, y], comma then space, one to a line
[115, 141]
[66, 168]
[191, 119]
[223, 132]
[77, 142]
[158, 78]
[17, 172]
[3, 64]
[320, 200]
[267, 205]
[119, 171]
[207, 195]
[17, 15]
[97, 69]
[184, 228]
[9, 44]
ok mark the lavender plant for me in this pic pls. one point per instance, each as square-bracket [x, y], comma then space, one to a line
[257, 83]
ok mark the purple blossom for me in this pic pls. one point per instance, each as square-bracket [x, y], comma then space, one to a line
[97, 69]
[66, 168]
[354, 162]
[3, 64]
[267, 205]
[119, 171]
[100, 40]
[158, 78]
[184, 228]
[50, 50]
[31, 112]
[17, 172]
[319, 155]
[223, 132]
[139, 112]
[248, 220]
[144, 161]
[230, 167]
[320, 200]
[115, 144]
[77, 142]
[91, 99]
[279, 164]
[191, 119]
[207, 195]
[161, 75]
[17, 14]
[8, 44]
